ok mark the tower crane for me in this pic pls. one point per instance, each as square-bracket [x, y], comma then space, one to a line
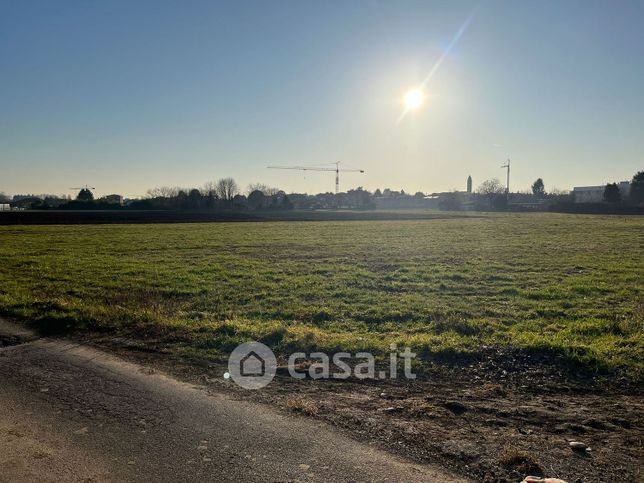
[337, 170]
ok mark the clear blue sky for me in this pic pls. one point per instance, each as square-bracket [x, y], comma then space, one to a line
[129, 95]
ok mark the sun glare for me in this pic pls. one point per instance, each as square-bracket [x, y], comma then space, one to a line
[413, 99]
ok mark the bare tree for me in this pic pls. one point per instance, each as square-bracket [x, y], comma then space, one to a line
[163, 192]
[558, 192]
[491, 187]
[209, 189]
[226, 189]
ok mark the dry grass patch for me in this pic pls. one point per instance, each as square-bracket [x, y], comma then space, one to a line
[304, 405]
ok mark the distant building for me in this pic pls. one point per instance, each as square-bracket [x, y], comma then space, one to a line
[5, 207]
[23, 201]
[452, 200]
[469, 184]
[117, 199]
[401, 201]
[595, 194]
[525, 201]
[588, 194]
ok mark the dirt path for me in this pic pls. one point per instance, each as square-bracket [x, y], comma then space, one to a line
[496, 420]
[72, 413]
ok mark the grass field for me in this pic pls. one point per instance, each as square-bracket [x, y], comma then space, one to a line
[566, 284]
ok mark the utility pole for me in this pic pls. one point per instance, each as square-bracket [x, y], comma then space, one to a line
[507, 186]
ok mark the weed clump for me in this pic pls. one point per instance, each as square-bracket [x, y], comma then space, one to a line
[521, 462]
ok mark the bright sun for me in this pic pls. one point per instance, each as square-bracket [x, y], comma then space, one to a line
[413, 99]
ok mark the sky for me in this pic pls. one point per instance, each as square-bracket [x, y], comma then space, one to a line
[130, 95]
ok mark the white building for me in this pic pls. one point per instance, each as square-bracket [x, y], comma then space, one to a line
[595, 194]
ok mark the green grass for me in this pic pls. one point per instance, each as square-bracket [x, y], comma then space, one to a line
[568, 284]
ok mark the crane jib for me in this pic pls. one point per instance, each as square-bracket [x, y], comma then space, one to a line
[337, 170]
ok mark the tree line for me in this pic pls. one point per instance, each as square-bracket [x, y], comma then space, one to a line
[225, 194]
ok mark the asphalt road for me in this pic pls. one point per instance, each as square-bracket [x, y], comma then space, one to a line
[72, 413]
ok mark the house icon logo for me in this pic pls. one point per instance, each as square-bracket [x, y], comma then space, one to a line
[252, 365]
